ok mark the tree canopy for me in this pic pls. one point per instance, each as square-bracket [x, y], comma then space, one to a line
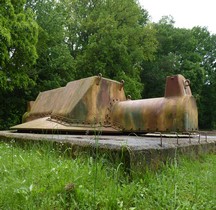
[46, 43]
[190, 52]
[110, 37]
[18, 38]
[55, 64]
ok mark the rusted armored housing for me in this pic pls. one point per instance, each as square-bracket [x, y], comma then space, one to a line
[97, 103]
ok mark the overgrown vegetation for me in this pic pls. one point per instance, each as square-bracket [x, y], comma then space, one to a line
[39, 176]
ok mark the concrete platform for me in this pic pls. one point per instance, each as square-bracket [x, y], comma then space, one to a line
[137, 152]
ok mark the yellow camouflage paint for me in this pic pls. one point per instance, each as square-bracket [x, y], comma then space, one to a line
[96, 103]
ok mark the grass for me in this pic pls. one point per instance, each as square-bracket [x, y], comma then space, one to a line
[39, 176]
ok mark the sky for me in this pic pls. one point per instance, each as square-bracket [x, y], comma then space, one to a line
[186, 13]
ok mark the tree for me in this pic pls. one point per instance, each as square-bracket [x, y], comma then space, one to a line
[18, 38]
[191, 52]
[76, 38]
[110, 37]
[207, 48]
[55, 64]
[177, 54]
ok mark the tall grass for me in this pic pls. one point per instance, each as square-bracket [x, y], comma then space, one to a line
[39, 176]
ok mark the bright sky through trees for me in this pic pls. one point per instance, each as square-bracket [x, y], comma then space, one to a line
[186, 13]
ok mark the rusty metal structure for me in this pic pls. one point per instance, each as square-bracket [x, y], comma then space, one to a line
[99, 104]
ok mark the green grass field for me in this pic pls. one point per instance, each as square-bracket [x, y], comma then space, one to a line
[39, 176]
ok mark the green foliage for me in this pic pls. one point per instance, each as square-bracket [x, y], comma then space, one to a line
[177, 54]
[207, 48]
[190, 52]
[132, 84]
[18, 37]
[73, 39]
[12, 106]
[46, 43]
[110, 37]
[42, 176]
[55, 65]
